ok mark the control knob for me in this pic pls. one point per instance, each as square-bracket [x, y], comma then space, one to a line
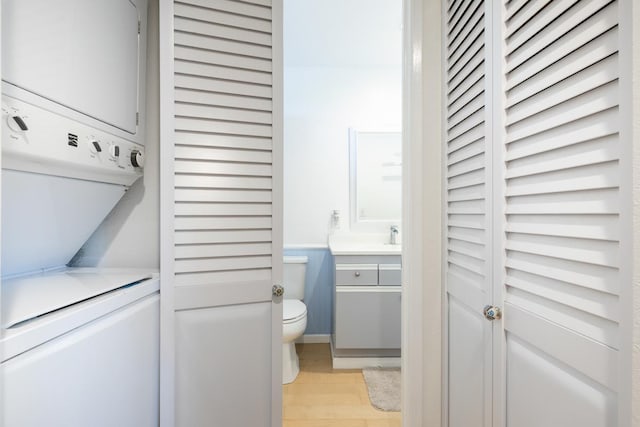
[17, 123]
[114, 151]
[94, 146]
[137, 159]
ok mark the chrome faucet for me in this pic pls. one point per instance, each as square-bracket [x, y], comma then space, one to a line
[393, 239]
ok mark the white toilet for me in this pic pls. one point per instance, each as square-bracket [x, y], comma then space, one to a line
[294, 314]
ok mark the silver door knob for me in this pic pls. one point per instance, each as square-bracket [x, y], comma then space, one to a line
[277, 290]
[492, 313]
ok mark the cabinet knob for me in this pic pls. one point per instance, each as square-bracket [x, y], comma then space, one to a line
[357, 274]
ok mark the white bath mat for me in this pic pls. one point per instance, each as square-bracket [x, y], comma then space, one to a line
[383, 385]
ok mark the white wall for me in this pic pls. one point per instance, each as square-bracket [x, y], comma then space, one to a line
[342, 69]
[129, 235]
[320, 106]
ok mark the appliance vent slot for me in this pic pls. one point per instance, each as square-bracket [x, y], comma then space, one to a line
[73, 140]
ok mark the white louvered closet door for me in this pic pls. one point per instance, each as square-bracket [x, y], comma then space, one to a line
[536, 205]
[564, 213]
[228, 203]
[468, 207]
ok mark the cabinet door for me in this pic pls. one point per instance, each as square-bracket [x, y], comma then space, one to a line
[367, 317]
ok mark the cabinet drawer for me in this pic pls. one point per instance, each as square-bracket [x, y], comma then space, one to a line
[390, 274]
[357, 274]
[368, 318]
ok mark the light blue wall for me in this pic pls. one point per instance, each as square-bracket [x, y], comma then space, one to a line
[318, 292]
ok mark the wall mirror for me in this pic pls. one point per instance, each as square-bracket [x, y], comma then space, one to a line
[375, 178]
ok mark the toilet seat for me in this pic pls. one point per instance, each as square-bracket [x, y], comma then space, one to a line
[293, 310]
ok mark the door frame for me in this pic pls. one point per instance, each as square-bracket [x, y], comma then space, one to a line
[629, 24]
[422, 301]
[167, 214]
[277, 202]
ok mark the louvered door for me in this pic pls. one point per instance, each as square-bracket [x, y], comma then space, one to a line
[535, 208]
[468, 207]
[228, 244]
[563, 213]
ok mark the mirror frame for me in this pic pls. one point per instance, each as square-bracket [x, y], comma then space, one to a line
[371, 225]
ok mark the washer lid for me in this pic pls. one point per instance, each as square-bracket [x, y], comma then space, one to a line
[293, 309]
[28, 297]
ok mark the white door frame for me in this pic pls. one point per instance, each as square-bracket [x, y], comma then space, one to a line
[634, 18]
[630, 331]
[167, 270]
[1, 346]
[277, 226]
[422, 215]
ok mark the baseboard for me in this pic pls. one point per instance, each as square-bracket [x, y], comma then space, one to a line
[314, 339]
[364, 362]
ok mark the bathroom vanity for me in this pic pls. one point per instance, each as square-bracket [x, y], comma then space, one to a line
[367, 300]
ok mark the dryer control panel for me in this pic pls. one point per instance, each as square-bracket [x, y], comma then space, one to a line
[40, 141]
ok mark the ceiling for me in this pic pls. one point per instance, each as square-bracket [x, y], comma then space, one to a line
[342, 33]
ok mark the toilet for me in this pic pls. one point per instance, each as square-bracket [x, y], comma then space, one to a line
[294, 314]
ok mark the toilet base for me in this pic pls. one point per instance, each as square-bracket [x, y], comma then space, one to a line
[290, 362]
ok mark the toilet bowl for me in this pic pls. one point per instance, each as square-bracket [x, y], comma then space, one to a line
[294, 323]
[294, 314]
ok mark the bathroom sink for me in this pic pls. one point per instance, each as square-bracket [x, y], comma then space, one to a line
[364, 248]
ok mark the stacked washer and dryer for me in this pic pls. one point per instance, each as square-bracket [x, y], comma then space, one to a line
[78, 346]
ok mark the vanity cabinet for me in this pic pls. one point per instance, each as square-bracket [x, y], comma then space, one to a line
[367, 303]
[367, 319]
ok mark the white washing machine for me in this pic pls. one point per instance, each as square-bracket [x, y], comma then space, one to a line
[78, 347]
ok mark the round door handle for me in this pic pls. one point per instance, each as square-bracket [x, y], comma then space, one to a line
[277, 290]
[492, 312]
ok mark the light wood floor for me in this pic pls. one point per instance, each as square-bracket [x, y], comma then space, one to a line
[322, 397]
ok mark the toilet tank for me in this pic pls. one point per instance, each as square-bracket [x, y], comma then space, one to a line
[295, 268]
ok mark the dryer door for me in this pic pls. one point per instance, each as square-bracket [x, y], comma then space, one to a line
[80, 54]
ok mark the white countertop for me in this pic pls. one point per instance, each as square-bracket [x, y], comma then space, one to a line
[361, 245]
